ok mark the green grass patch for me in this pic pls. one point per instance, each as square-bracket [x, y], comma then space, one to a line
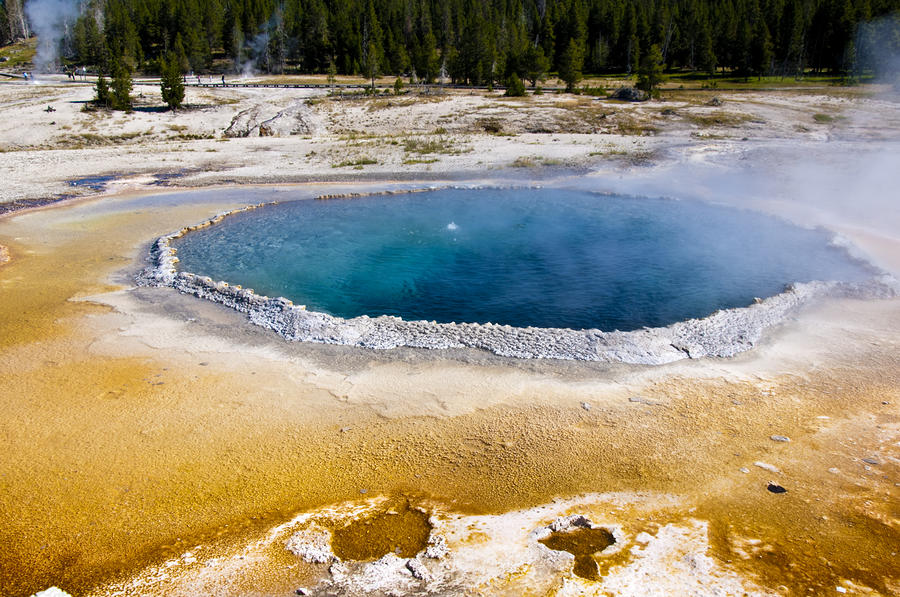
[85, 140]
[626, 125]
[422, 146]
[413, 161]
[192, 136]
[823, 118]
[18, 54]
[524, 162]
[358, 163]
[717, 119]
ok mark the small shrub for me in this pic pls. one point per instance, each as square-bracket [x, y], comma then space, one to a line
[593, 91]
[491, 125]
[514, 86]
[523, 162]
[439, 145]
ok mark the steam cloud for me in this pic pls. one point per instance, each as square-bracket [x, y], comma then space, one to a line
[50, 20]
[878, 48]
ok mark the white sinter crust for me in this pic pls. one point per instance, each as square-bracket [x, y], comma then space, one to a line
[724, 333]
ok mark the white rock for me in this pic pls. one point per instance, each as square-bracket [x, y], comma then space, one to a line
[417, 569]
[52, 592]
[313, 544]
[437, 547]
[766, 466]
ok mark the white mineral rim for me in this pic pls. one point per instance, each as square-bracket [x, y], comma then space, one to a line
[724, 333]
[500, 553]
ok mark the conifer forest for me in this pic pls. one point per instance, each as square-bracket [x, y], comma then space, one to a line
[476, 42]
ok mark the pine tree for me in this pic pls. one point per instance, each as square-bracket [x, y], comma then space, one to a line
[429, 59]
[650, 73]
[171, 84]
[371, 63]
[103, 97]
[535, 64]
[761, 49]
[570, 65]
[121, 87]
[332, 74]
[706, 56]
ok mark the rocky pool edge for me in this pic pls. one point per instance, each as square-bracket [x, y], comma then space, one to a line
[724, 333]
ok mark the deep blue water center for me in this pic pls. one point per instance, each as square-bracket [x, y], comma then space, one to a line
[535, 257]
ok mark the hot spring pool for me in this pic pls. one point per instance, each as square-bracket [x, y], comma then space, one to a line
[547, 258]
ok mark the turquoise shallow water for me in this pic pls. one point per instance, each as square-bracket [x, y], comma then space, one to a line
[536, 257]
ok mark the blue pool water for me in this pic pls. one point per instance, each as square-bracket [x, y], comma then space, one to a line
[536, 257]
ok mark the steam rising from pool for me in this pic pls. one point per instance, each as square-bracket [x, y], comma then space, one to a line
[543, 258]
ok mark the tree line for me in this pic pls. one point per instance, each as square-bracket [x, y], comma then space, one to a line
[476, 41]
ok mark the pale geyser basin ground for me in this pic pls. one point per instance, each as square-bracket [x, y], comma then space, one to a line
[142, 424]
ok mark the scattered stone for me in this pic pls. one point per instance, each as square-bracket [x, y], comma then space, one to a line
[715, 102]
[630, 94]
[641, 400]
[870, 461]
[834, 471]
[585, 406]
[767, 467]
[745, 470]
[204, 364]
[345, 429]
[417, 569]
[364, 491]
[780, 438]
[301, 591]
[840, 589]
[775, 488]
[567, 523]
